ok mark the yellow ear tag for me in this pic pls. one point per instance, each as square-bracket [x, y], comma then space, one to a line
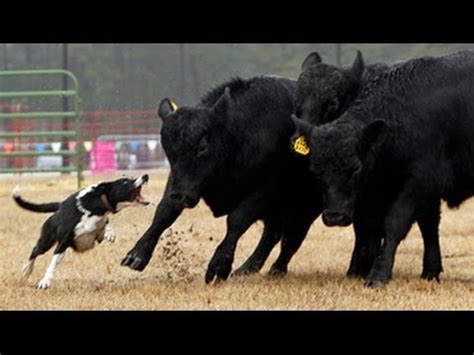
[173, 106]
[300, 146]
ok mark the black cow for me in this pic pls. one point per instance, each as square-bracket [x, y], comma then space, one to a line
[232, 150]
[401, 148]
[324, 92]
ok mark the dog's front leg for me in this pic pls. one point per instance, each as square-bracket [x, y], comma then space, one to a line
[109, 233]
[48, 276]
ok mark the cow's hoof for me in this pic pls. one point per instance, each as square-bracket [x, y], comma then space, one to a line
[431, 275]
[216, 276]
[375, 283]
[244, 271]
[135, 261]
[278, 272]
[218, 270]
[355, 274]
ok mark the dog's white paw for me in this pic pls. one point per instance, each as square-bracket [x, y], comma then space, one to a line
[109, 234]
[45, 283]
[27, 269]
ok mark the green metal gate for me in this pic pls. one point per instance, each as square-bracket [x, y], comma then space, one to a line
[71, 133]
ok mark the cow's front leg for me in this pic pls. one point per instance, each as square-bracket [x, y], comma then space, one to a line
[428, 221]
[397, 225]
[167, 211]
[368, 241]
[238, 221]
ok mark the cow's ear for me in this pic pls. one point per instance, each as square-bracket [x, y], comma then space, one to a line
[166, 108]
[358, 67]
[223, 103]
[300, 142]
[372, 136]
[302, 128]
[312, 59]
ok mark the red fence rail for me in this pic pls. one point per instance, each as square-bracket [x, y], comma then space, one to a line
[135, 132]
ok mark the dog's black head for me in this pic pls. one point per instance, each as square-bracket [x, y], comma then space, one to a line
[121, 193]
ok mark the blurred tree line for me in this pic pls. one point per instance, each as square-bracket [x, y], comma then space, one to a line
[137, 76]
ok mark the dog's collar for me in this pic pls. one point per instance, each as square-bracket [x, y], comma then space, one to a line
[107, 204]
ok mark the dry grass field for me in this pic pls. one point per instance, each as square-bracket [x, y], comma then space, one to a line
[174, 279]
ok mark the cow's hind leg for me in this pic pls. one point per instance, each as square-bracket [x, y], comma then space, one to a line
[428, 221]
[238, 221]
[270, 237]
[293, 235]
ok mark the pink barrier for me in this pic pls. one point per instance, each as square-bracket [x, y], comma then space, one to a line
[103, 157]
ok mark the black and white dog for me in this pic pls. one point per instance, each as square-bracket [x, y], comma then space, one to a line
[80, 220]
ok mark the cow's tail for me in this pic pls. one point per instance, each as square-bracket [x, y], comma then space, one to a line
[43, 207]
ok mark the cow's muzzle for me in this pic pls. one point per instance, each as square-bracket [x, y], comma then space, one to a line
[332, 218]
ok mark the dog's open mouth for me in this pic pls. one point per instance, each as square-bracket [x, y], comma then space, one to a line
[137, 196]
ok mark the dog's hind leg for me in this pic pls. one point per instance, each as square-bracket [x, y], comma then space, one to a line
[27, 269]
[45, 243]
[57, 258]
[48, 276]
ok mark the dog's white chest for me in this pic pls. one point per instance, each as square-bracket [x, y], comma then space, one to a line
[87, 231]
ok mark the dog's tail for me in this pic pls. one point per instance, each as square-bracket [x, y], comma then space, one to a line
[44, 207]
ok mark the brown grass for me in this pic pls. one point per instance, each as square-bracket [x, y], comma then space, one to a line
[174, 279]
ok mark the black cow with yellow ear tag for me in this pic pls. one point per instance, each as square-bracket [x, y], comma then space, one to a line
[231, 150]
[404, 146]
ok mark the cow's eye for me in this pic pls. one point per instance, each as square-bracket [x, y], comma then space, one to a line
[357, 170]
[333, 105]
[203, 147]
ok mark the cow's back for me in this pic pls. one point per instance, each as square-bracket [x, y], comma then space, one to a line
[429, 105]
